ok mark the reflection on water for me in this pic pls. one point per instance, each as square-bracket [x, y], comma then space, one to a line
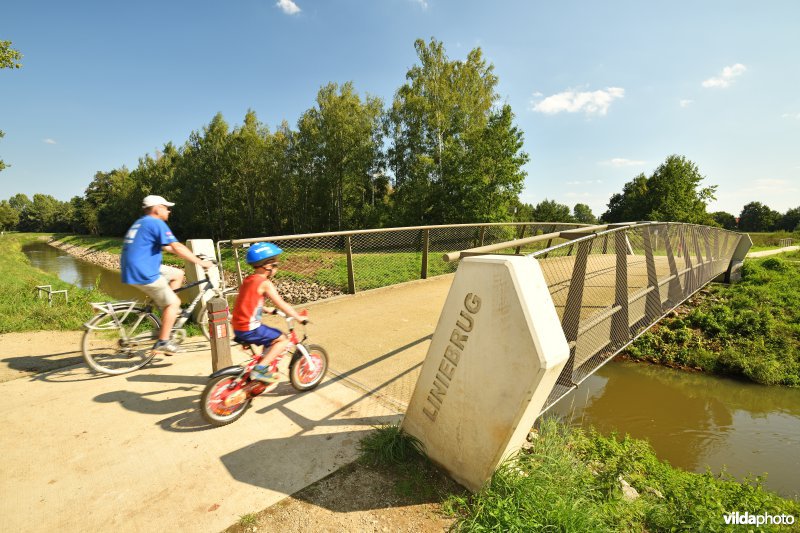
[80, 273]
[693, 420]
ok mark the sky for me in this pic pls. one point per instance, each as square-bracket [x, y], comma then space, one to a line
[602, 91]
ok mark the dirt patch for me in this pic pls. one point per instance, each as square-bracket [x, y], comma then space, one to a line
[362, 497]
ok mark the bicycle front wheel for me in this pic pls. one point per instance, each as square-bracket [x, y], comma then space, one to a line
[307, 373]
[123, 345]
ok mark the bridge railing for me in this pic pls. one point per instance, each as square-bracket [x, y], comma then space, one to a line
[320, 265]
[611, 283]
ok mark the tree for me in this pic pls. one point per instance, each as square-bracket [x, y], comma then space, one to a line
[790, 221]
[9, 217]
[582, 213]
[726, 220]
[756, 217]
[9, 58]
[44, 213]
[2, 163]
[339, 155]
[551, 211]
[455, 156]
[671, 194]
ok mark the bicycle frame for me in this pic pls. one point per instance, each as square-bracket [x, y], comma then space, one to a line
[113, 308]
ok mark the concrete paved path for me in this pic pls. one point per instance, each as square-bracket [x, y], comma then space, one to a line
[131, 453]
[764, 253]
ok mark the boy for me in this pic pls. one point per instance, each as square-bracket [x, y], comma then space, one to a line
[247, 310]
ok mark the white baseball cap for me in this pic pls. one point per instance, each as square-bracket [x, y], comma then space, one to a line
[151, 200]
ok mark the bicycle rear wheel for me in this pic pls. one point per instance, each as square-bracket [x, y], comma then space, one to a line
[111, 348]
[203, 324]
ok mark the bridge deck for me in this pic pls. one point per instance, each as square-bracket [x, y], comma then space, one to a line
[378, 339]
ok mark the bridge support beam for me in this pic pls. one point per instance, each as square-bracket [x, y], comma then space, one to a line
[497, 351]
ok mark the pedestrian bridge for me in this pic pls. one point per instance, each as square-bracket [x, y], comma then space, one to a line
[599, 287]
[608, 285]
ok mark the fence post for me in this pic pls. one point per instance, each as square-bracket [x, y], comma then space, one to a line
[351, 279]
[219, 334]
[426, 237]
[519, 236]
[653, 301]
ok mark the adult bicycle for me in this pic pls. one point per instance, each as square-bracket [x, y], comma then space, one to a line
[120, 337]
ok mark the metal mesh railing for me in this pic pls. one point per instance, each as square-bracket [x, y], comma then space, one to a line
[611, 286]
[610, 283]
[322, 265]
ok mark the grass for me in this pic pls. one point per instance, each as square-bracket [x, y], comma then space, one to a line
[569, 480]
[750, 329]
[20, 310]
[765, 241]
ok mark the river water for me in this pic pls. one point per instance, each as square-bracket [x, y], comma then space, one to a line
[79, 273]
[691, 419]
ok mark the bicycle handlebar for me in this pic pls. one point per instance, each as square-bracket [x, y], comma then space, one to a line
[276, 311]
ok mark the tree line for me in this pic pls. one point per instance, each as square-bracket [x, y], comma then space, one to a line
[444, 151]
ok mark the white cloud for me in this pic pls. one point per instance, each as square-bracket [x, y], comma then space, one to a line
[422, 3]
[686, 103]
[48, 141]
[791, 115]
[622, 162]
[288, 7]
[591, 103]
[726, 78]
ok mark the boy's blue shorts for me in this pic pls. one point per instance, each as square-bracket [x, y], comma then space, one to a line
[261, 336]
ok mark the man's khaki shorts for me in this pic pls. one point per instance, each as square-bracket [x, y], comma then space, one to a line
[159, 290]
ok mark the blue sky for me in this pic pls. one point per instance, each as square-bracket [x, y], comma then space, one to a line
[601, 90]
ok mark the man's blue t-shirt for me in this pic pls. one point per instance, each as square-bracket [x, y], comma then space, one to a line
[141, 250]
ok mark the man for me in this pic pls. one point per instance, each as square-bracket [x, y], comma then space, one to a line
[141, 265]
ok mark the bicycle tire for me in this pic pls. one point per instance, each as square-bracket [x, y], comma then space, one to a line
[301, 376]
[212, 408]
[107, 352]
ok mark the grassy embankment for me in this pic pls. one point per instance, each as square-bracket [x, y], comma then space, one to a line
[770, 241]
[750, 329]
[20, 310]
[570, 480]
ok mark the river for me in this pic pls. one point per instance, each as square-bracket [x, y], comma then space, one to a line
[691, 419]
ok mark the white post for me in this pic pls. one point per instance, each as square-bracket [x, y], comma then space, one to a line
[495, 356]
[196, 273]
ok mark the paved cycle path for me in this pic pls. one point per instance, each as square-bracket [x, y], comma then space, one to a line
[131, 453]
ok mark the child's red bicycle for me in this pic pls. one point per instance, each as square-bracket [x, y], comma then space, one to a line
[230, 390]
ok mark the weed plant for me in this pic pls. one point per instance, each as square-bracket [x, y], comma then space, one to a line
[570, 480]
[20, 310]
[750, 329]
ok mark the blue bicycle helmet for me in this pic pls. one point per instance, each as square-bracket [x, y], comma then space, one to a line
[261, 251]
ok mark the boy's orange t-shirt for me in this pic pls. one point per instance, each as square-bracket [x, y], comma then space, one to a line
[249, 304]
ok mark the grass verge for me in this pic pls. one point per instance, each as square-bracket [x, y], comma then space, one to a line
[750, 329]
[20, 310]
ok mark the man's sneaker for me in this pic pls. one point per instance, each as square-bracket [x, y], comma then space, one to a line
[166, 347]
[263, 373]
